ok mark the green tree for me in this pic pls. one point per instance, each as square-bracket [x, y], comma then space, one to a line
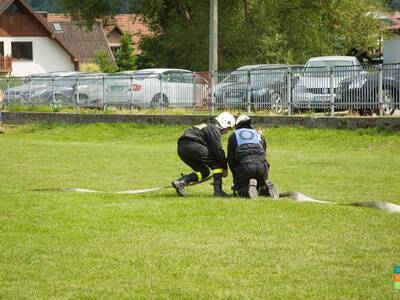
[102, 59]
[250, 31]
[124, 57]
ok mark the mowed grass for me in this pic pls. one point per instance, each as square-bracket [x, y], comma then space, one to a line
[158, 246]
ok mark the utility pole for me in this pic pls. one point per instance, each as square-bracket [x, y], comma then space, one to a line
[213, 35]
[213, 41]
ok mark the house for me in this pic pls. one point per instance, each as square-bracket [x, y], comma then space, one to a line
[131, 24]
[126, 23]
[391, 46]
[28, 44]
[83, 42]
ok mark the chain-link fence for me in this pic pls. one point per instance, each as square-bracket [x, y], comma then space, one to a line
[283, 89]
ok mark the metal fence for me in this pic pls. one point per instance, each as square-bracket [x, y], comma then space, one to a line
[285, 90]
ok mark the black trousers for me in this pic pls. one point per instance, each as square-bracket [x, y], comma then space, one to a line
[250, 170]
[197, 156]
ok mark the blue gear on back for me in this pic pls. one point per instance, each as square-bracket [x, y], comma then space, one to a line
[247, 136]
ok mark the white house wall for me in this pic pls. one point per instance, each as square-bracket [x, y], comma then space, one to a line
[391, 51]
[48, 56]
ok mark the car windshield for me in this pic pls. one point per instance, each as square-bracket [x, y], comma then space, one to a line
[320, 68]
[256, 76]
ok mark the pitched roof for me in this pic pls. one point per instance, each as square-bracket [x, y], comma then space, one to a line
[130, 23]
[85, 43]
[4, 4]
[395, 22]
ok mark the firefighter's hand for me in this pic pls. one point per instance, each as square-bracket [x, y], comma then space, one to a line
[225, 173]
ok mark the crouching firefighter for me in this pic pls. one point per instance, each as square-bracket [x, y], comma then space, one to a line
[201, 149]
[247, 161]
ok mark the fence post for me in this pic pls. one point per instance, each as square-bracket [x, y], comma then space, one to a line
[131, 89]
[161, 95]
[212, 87]
[77, 94]
[8, 90]
[104, 93]
[52, 90]
[289, 90]
[248, 94]
[380, 91]
[194, 93]
[30, 91]
[331, 89]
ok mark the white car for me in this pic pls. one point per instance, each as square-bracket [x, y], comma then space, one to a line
[313, 88]
[154, 87]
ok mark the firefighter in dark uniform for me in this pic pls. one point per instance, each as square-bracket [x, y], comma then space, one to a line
[200, 148]
[247, 161]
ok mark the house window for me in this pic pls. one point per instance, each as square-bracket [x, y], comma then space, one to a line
[2, 48]
[21, 50]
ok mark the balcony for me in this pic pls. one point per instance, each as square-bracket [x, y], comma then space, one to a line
[5, 64]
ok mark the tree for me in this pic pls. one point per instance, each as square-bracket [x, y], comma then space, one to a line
[102, 60]
[124, 57]
[250, 31]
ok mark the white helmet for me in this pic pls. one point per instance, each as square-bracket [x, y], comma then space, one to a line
[243, 121]
[225, 120]
[242, 118]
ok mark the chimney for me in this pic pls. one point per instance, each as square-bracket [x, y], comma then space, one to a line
[43, 14]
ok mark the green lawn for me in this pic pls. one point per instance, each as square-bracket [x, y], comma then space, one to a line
[158, 246]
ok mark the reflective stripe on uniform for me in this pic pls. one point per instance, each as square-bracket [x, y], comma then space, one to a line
[217, 171]
[199, 176]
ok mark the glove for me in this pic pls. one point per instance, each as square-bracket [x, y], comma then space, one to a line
[225, 173]
[259, 130]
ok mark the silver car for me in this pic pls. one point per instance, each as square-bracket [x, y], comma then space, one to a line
[314, 86]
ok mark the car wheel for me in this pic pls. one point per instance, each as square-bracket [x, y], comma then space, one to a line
[57, 100]
[158, 101]
[276, 102]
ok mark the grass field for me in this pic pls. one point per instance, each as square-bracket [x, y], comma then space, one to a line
[157, 246]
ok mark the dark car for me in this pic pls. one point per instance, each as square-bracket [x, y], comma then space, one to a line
[265, 86]
[361, 92]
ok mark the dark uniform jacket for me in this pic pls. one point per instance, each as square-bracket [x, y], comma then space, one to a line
[251, 147]
[208, 135]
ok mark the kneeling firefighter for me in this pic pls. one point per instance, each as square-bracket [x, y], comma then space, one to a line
[200, 148]
[247, 161]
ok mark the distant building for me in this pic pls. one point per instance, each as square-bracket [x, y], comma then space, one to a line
[126, 23]
[28, 44]
[131, 24]
[391, 46]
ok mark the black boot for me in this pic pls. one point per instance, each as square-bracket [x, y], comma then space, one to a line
[269, 190]
[179, 184]
[218, 192]
[249, 191]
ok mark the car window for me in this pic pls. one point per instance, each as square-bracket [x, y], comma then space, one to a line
[140, 75]
[320, 68]
[329, 63]
[267, 75]
[177, 77]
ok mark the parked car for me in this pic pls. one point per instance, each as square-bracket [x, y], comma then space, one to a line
[265, 85]
[55, 88]
[361, 92]
[154, 87]
[313, 89]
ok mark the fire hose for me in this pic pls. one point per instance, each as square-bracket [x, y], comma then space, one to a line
[296, 196]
